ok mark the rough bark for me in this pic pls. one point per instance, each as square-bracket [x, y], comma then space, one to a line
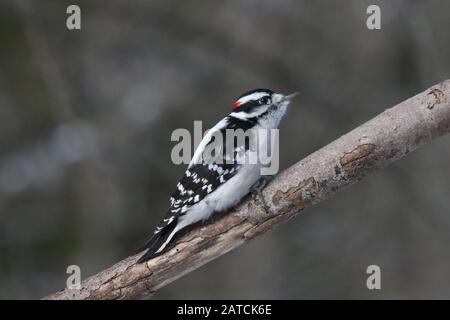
[373, 145]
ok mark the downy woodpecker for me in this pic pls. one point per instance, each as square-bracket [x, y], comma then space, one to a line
[210, 186]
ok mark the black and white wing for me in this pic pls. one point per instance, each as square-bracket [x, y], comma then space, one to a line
[200, 179]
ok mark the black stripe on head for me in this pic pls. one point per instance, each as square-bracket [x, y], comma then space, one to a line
[252, 99]
[268, 91]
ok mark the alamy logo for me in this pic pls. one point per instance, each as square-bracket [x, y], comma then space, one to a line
[374, 280]
[374, 20]
[74, 280]
[73, 21]
[257, 146]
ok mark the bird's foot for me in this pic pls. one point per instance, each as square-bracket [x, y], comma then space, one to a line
[257, 192]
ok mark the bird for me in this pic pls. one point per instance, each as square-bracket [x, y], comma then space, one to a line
[216, 184]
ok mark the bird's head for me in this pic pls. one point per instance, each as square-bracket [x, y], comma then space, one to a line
[259, 104]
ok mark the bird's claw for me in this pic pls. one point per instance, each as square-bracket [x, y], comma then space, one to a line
[257, 192]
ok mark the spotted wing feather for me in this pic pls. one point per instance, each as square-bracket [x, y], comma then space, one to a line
[199, 180]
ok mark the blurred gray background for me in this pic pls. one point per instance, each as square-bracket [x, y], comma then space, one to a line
[86, 118]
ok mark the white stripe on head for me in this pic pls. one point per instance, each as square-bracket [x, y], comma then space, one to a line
[253, 96]
[244, 115]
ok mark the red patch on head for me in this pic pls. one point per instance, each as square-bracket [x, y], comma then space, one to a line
[235, 105]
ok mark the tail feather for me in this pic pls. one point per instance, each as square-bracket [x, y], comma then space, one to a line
[158, 242]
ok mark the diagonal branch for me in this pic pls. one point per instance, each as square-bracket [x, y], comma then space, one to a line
[373, 145]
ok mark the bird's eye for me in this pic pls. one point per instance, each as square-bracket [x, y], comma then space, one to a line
[264, 100]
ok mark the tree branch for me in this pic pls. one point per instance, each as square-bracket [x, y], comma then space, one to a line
[373, 145]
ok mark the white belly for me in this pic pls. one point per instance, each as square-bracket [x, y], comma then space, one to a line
[230, 193]
[224, 197]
